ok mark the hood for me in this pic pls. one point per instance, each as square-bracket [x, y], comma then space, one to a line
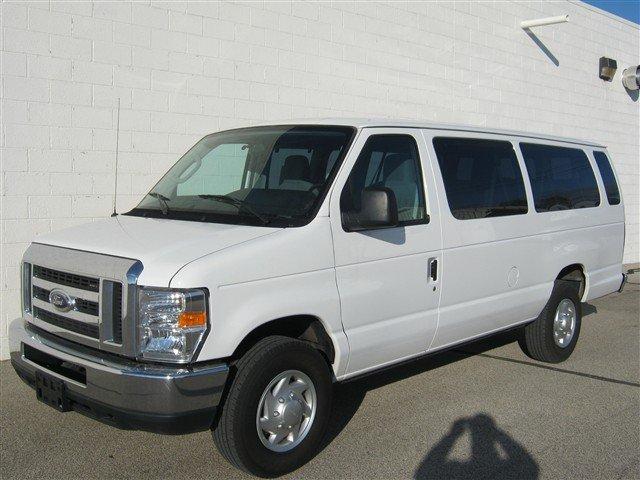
[163, 246]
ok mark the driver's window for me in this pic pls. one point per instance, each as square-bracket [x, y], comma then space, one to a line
[219, 173]
[389, 161]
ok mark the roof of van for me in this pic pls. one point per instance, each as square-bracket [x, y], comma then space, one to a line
[382, 122]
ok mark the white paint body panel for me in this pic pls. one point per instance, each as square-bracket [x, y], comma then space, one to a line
[389, 303]
[371, 290]
[163, 246]
[288, 273]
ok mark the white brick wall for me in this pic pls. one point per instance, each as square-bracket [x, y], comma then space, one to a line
[183, 69]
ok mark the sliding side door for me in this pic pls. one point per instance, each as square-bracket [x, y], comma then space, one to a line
[489, 253]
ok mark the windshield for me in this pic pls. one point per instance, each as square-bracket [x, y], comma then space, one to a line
[274, 176]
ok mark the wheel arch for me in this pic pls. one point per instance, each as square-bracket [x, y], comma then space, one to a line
[575, 272]
[303, 327]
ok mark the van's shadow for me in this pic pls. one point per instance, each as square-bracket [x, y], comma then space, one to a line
[348, 396]
[492, 448]
[493, 452]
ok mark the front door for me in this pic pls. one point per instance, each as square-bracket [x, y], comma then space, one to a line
[388, 279]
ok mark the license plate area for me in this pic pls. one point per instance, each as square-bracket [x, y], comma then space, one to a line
[52, 391]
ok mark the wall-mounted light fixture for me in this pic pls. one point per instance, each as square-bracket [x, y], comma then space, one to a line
[631, 78]
[608, 67]
[541, 22]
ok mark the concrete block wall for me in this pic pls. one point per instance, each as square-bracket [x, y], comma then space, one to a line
[183, 69]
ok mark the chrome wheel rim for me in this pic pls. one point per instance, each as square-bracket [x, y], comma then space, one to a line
[286, 411]
[564, 323]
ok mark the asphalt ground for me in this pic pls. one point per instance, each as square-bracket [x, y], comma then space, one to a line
[482, 411]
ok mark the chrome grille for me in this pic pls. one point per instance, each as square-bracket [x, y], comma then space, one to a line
[82, 316]
[88, 329]
[117, 312]
[92, 293]
[68, 279]
[82, 305]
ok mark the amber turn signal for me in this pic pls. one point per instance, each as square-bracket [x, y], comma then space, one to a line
[192, 319]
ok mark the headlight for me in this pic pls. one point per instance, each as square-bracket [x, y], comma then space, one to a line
[171, 323]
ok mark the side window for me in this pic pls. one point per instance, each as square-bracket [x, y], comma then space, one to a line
[389, 161]
[608, 178]
[561, 178]
[482, 178]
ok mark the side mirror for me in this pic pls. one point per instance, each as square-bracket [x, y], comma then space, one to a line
[378, 209]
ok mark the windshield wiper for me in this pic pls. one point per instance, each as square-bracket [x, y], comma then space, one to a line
[162, 200]
[242, 206]
[280, 217]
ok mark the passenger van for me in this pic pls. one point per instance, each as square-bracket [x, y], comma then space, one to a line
[272, 261]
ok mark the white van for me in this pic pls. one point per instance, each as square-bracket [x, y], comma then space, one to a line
[272, 261]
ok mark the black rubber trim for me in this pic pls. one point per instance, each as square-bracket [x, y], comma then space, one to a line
[178, 424]
[54, 364]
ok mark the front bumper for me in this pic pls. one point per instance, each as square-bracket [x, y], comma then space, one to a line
[120, 391]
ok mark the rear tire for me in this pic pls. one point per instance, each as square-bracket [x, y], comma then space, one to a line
[237, 434]
[552, 337]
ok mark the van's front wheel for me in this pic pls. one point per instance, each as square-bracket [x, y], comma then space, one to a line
[554, 334]
[277, 408]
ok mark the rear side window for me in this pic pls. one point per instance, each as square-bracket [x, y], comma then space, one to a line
[482, 178]
[389, 161]
[608, 178]
[561, 178]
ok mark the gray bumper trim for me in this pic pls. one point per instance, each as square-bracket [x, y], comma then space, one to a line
[121, 383]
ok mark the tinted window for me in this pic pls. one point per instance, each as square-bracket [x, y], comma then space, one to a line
[389, 161]
[561, 178]
[608, 178]
[482, 178]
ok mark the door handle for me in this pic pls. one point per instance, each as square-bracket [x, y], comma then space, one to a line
[433, 268]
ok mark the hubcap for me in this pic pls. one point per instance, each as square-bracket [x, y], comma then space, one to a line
[564, 323]
[286, 411]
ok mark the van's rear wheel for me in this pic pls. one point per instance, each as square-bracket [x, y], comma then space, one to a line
[554, 334]
[277, 408]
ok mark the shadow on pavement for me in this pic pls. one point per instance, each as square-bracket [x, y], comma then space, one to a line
[348, 396]
[493, 454]
[588, 309]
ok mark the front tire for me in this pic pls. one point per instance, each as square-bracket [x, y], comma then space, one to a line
[552, 337]
[277, 408]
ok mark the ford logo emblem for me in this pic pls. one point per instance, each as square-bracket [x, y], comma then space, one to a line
[61, 300]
